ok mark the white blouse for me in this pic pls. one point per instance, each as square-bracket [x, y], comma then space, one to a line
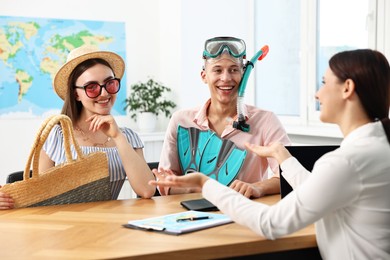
[347, 196]
[54, 148]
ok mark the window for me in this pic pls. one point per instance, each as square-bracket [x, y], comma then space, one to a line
[277, 77]
[339, 30]
[302, 36]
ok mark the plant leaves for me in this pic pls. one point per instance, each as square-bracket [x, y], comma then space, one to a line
[148, 97]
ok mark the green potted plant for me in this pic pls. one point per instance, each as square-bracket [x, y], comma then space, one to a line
[146, 101]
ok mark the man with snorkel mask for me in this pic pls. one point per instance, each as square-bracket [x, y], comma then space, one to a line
[223, 70]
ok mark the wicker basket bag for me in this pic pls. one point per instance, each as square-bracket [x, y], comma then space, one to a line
[83, 179]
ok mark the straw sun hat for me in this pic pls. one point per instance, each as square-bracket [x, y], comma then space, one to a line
[77, 56]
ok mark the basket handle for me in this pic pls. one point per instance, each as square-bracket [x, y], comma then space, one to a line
[43, 133]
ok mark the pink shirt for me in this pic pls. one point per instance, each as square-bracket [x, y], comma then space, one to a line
[265, 128]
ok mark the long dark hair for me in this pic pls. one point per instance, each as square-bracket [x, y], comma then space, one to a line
[370, 71]
[72, 107]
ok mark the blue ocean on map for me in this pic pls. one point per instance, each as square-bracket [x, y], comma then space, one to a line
[33, 49]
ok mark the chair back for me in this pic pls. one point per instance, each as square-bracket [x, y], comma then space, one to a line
[15, 176]
[154, 165]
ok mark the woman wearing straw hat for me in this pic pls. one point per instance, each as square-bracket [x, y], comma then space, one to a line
[88, 83]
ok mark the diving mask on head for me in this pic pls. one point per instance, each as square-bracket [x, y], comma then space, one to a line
[214, 47]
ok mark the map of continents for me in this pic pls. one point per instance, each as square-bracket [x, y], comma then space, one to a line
[33, 49]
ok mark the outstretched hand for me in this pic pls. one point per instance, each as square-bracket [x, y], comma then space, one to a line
[165, 178]
[160, 175]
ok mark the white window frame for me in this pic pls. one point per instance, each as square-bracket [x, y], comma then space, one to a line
[308, 123]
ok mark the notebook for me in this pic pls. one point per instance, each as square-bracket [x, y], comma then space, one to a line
[307, 156]
[180, 223]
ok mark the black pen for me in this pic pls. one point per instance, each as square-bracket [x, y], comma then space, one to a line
[192, 218]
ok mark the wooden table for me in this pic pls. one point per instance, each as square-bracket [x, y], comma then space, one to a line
[94, 231]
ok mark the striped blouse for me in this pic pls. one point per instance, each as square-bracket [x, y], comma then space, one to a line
[54, 148]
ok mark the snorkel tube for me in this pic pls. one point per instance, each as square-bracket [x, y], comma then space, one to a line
[241, 122]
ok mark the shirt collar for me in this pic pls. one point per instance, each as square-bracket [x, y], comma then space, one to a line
[369, 129]
[201, 117]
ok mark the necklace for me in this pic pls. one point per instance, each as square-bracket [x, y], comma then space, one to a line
[86, 138]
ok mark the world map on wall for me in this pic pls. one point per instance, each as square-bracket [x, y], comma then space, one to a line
[33, 49]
